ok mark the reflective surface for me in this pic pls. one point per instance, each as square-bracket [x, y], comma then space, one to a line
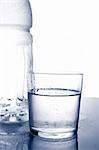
[37, 143]
[88, 134]
[12, 142]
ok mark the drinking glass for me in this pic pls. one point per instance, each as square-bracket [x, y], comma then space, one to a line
[54, 104]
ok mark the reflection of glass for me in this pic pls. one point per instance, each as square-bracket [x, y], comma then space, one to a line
[38, 143]
[30, 142]
[14, 142]
[54, 103]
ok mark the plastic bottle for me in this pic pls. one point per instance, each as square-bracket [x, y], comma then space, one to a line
[15, 63]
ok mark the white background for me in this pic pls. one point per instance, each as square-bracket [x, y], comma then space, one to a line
[66, 39]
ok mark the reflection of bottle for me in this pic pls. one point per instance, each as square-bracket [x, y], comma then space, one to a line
[37, 143]
[15, 63]
[14, 142]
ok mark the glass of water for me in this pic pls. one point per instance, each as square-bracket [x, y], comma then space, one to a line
[54, 104]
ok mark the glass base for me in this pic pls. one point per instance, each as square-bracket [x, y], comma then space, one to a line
[54, 135]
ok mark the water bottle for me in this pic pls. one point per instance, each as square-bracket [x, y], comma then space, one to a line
[15, 64]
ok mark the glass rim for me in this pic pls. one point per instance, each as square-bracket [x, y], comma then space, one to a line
[57, 73]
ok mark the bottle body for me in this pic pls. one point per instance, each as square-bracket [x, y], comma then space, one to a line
[15, 63]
